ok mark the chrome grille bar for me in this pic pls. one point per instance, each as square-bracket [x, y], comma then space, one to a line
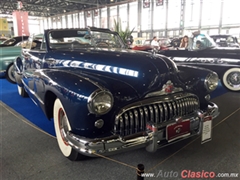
[133, 120]
[170, 110]
[165, 112]
[156, 120]
[141, 119]
[161, 113]
[131, 123]
[136, 119]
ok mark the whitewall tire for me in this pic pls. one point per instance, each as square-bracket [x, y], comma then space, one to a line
[10, 74]
[62, 126]
[231, 79]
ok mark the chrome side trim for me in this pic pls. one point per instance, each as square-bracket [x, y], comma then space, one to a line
[33, 93]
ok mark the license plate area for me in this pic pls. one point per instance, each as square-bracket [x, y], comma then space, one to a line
[207, 129]
[179, 130]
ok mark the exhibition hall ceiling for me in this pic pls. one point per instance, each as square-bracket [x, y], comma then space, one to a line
[47, 8]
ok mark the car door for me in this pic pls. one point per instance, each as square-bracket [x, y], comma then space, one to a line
[184, 56]
[33, 56]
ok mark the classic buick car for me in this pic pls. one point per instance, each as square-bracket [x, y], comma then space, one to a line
[203, 52]
[106, 99]
[9, 50]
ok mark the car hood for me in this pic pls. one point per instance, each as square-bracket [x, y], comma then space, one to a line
[121, 71]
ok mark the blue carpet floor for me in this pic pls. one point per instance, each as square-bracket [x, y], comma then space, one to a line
[25, 107]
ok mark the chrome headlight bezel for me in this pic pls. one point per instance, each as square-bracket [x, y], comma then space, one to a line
[211, 81]
[93, 107]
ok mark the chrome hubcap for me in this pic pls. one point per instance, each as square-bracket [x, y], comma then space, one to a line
[63, 126]
[11, 73]
[233, 79]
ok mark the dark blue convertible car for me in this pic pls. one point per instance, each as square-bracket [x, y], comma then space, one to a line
[106, 99]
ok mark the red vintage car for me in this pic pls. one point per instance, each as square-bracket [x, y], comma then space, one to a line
[164, 44]
[142, 44]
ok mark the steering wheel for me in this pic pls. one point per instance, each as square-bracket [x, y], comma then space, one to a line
[75, 42]
[102, 43]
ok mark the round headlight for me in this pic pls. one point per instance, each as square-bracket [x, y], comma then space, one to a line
[100, 102]
[211, 81]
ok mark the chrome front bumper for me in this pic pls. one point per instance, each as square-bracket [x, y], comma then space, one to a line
[152, 139]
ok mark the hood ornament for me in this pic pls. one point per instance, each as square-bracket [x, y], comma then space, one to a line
[167, 88]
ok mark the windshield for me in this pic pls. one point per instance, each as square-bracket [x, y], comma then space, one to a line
[75, 39]
[202, 41]
[8, 42]
[224, 39]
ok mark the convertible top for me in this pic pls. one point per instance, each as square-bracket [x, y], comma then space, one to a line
[81, 29]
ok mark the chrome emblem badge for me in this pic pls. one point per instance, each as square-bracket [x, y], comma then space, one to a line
[178, 130]
[168, 87]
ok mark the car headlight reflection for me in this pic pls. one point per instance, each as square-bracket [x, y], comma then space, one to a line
[100, 102]
[211, 81]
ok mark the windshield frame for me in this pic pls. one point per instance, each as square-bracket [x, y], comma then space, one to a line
[69, 40]
[12, 40]
[204, 40]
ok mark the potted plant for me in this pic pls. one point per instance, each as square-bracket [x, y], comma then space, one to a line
[126, 34]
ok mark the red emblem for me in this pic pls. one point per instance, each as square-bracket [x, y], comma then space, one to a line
[151, 127]
[168, 87]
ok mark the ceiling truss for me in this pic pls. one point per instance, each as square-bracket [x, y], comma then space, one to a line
[47, 8]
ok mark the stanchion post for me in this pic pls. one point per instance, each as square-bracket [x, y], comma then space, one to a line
[140, 171]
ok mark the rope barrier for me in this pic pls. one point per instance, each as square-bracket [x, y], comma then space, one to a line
[161, 162]
[140, 168]
[115, 161]
[23, 119]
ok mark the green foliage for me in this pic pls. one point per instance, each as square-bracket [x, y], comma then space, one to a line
[123, 34]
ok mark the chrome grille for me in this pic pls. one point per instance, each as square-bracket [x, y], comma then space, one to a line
[133, 119]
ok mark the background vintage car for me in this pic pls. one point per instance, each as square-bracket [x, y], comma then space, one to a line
[2, 39]
[225, 40]
[223, 60]
[106, 99]
[164, 44]
[9, 50]
[7, 56]
[142, 45]
[13, 41]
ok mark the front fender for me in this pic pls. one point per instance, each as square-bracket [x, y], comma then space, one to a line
[73, 90]
[193, 76]
[194, 79]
